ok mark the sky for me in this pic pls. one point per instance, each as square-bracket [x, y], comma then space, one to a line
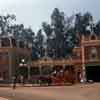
[33, 12]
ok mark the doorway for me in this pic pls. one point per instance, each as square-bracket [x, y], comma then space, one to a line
[93, 73]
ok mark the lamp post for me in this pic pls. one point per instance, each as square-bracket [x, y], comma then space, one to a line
[22, 64]
[29, 66]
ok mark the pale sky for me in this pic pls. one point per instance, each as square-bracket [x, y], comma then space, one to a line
[33, 12]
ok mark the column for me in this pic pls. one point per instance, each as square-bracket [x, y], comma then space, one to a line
[17, 44]
[76, 75]
[29, 68]
[0, 43]
[10, 65]
[10, 39]
[40, 70]
[83, 61]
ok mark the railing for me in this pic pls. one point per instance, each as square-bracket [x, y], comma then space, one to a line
[57, 62]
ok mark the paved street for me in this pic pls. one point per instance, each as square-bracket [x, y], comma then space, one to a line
[75, 92]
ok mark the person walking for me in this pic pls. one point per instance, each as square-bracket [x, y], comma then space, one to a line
[14, 82]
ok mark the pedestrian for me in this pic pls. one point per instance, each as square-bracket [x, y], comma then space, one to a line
[14, 82]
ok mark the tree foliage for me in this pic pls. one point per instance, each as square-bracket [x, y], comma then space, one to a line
[60, 34]
[57, 33]
[47, 29]
[96, 28]
[8, 27]
[83, 23]
[38, 43]
[5, 23]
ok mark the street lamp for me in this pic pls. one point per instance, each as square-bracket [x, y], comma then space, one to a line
[22, 64]
[28, 66]
[23, 60]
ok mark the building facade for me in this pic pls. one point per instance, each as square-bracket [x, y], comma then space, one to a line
[11, 53]
[84, 64]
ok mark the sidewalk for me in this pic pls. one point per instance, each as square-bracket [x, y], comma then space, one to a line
[34, 85]
[3, 98]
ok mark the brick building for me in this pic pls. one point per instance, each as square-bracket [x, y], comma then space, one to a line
[11, 53]
[84, 62]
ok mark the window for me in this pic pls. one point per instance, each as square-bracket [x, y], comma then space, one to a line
[93, 53]
[14, 42]
[3, 56]
[76, 55]
[21, 44]
[5, 42]
[93, 37]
